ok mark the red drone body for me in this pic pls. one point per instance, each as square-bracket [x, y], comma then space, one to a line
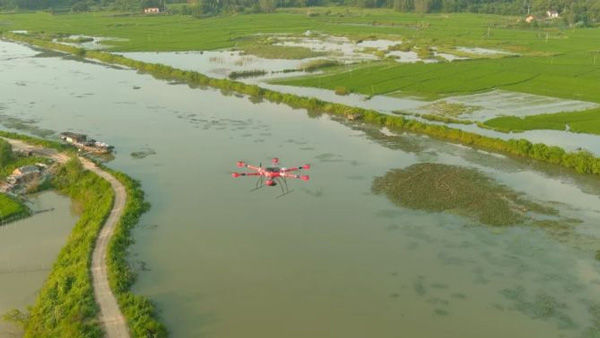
[271, 176]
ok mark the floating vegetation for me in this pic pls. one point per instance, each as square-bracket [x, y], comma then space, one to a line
[314, 65]
[449, 109]
[143, 153]
[27, 126]
[247, 73]
[464, 191]
[440, 312]
[541, 306]
[419, 286]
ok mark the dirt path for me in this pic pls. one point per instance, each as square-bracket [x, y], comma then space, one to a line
[110, 315]
[112, 319]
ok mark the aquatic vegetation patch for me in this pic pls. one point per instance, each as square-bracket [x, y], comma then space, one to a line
[247, 73]
[541, 306]
[464, 191]
[143, 153]
[449, 109]
[27, 126]
[311, 66]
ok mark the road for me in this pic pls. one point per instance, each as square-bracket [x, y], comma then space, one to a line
[112, 319]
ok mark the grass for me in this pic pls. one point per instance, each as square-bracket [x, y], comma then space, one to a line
[138, 310]
[269, 51]
[579, 122]
[10, 208]
[20, 161]
[554, 61]
[565, 76]
[65, 305]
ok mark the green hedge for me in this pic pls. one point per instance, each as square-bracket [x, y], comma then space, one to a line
[65, 306]
[138, 310]
[583, 162]
[37, 141]
[11, 209]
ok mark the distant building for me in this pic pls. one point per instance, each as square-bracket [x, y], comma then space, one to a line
[552, 14]
[151, 10]
[73, 137]
[83, 143]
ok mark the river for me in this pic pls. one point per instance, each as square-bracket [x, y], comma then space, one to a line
[331, 259]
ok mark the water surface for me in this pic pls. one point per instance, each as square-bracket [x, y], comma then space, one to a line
[27, 250]
[330, 259]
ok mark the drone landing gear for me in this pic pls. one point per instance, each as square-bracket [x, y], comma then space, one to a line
[282, 183]
[259, 184]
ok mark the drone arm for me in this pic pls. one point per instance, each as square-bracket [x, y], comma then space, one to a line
[288, 175]
[304, 166]
[235, 175]
[242, 164]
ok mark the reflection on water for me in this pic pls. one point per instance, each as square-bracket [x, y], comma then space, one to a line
[330, 259]
[27, 250]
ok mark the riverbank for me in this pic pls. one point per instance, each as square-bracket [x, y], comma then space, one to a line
[11, 209]
[72, 299]
[582, 162]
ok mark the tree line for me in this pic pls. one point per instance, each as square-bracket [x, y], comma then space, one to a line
[582, 12]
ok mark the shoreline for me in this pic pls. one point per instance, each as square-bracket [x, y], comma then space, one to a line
[581, 162]
[104, 250]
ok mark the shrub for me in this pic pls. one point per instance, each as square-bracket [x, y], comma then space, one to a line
[341, 91]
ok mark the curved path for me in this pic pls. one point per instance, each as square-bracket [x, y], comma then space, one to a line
[112, 319]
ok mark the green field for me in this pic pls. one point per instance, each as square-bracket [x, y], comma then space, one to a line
[175, 32]
[10, 208]
[554, 61]
[580, 122]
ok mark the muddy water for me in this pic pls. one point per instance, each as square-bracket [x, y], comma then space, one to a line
[330, 259]
[27, 250]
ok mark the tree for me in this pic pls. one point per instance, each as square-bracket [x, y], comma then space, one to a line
[6, 153]
[267, 6]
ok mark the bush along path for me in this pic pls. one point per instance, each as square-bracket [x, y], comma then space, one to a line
[111, 318]
[581, 161]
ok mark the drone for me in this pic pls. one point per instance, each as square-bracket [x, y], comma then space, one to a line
[272, 176]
